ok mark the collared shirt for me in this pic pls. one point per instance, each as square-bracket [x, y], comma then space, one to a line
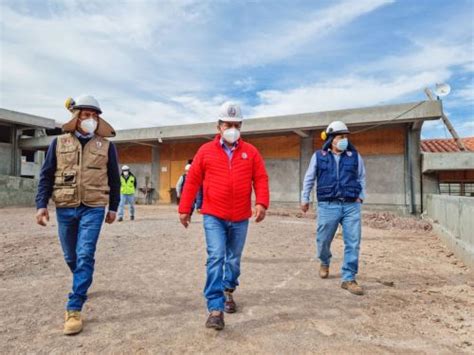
[84, 136]
[228, 150]
[310, 177]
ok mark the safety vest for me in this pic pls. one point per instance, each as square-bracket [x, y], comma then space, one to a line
[127, 186]
[330, 186]
[81, 172]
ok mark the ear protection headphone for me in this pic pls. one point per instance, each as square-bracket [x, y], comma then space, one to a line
[69, 103]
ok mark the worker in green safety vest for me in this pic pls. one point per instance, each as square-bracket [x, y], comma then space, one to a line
[128, 187]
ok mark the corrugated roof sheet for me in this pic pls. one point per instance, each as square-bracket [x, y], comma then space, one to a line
[445, 145]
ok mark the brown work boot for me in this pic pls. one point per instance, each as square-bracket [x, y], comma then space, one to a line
[352, 287]
[215, 320]
[324, 271]
[229, 305]
[73, 322]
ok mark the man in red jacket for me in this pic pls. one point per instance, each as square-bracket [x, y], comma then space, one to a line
[227, 168]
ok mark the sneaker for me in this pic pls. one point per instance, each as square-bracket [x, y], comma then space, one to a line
[324, 271]
[73, 323]
[229, 304]
[215, 320]
[352, 287]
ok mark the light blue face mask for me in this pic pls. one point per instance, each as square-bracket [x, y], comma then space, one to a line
[342, 144]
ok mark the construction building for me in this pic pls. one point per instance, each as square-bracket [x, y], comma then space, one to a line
[388, 137]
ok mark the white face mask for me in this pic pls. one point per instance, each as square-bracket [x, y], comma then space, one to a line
[231, 135]
[125, 173]
[89, 125]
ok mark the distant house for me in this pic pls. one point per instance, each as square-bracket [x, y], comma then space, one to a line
[446, 169]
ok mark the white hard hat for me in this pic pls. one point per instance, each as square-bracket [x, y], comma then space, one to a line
[125, 167]
[86, 101]
[230, 112]
[187, 167]
[337, 127]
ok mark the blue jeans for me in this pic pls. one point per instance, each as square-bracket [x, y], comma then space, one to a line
[330, 215]
[124, 199]
[79, 230]
[225, 242]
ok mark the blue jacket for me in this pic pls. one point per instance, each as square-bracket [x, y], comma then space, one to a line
[333, 163]
[337, 177]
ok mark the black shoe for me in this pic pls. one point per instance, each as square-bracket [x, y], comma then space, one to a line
[229, 304]
[215, 321]
[120, 219]
[132, 218]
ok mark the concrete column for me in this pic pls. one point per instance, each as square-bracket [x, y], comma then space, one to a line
[430, 184]
[39, 154]
[414, 169]
[306, 152]
[16, 152]
[155, 174]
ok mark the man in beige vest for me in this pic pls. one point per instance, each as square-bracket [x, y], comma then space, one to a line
[81, 174]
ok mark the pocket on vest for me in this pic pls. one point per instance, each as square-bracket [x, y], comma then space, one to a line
[96, 196]
[68, 158]
[65, 178]
[64, 195]
[325, 190]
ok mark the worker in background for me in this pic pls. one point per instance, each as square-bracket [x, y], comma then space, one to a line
[181, 182]
[81, 174]
[128, 186]
[227, 169]
[180, 186]
[339, 173]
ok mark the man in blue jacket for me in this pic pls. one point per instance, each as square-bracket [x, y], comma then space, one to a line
[339, 173]
[81, 174]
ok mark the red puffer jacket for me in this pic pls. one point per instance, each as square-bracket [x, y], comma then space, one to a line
[227, 184]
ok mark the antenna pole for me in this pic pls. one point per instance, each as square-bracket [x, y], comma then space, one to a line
[447, 123]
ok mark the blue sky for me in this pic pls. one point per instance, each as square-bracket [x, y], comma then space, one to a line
[153, 63]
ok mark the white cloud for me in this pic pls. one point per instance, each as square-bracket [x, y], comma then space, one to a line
[285, 41]
[160, 63]
[344, 92]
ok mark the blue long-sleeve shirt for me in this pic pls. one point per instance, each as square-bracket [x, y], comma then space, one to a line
[46, 180]
[310, 177]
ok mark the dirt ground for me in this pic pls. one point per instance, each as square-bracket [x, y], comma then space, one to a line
[147, 291]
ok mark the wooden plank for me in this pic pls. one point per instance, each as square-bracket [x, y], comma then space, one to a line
[165, 180]
[277, 147]
[131, 154]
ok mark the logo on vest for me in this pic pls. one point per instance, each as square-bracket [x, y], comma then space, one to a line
[98, 144]
[349, 153]
[67, 141]
[244, 156]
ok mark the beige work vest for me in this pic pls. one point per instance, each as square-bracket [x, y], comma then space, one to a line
[81, 173]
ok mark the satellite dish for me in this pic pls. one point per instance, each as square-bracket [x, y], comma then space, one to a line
[442, 89]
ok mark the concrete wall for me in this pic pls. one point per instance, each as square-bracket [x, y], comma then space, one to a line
[5, 158]
[17, 191]
[454, 222]
[284, 175]
[386, 187]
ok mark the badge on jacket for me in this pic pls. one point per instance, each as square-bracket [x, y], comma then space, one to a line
[98, 144]
[244, 156]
